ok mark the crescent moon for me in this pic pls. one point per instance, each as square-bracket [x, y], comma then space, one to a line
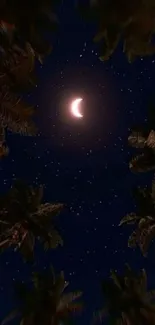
[75, 108]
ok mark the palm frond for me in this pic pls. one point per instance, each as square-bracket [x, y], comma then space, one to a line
[4, 151]
[75, 307]
[146, 237]
[36, 195]
[15, 313]
[36, 277]
[52, 272]
[151, 140]
[53, 240]
[128, 269]
[46, 211]
[144, 222]
[143, 280]
[27, 247]
[4, 243]
[17, 65]
[130, 218]
[115, 279]
[132, 241]
[59, 286]
[150, 295]
[67, 299]
[26, 221]
[121, 305]
[100, 315]
[15, 115]
[136, 140]
[49, 289]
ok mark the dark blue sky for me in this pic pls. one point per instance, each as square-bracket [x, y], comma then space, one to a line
[83, 163]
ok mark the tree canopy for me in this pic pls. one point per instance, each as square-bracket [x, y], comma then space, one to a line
[46, 302]
[121, 21]
[24, 219]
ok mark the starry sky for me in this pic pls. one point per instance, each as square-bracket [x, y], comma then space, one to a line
[83, 163]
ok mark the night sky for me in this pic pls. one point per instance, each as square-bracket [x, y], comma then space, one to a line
[82, 162]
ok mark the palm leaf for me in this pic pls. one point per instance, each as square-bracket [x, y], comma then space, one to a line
[15, 114]
[44, 287]
[18, 208]
[129, 275]
[151, 295]
[36, 198]
[151, 139]
[46, 211]
[27, 247]
[136, 140]
[44, 281]
[146, 238]
[129, 219]
[99, 36]
[59, 286]
[52, 273]
[28, 320]
[18, 65]
[35, 280]
[4, 151]
[53, 240]
[132, 241]
[75, 307]
[15, 313]
[143, 222]
[100, 315]
[115, 279]
[67, 299]
[143, 280]
[5, 243]
[24, 70]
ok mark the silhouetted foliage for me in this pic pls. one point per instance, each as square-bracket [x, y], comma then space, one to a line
[15, 116]
[23, 219]
[23, 28]
[132, 22]
[142, 137]
[144, 219]
[127, 300]
[28, 22]
[46, 302]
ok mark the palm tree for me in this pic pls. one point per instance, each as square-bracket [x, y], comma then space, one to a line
[46, 302]
[16, 63]
[144, 219]
[22, 39]
[23, 219]
[127, 300]
[16, 67]
[142, 137]
[15, 116]
[144, 161]
[29, 22]
[132, 21]
[23, 27]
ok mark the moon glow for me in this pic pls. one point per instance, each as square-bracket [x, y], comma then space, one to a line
[75, 108]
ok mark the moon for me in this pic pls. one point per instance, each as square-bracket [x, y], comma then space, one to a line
[75, 108]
